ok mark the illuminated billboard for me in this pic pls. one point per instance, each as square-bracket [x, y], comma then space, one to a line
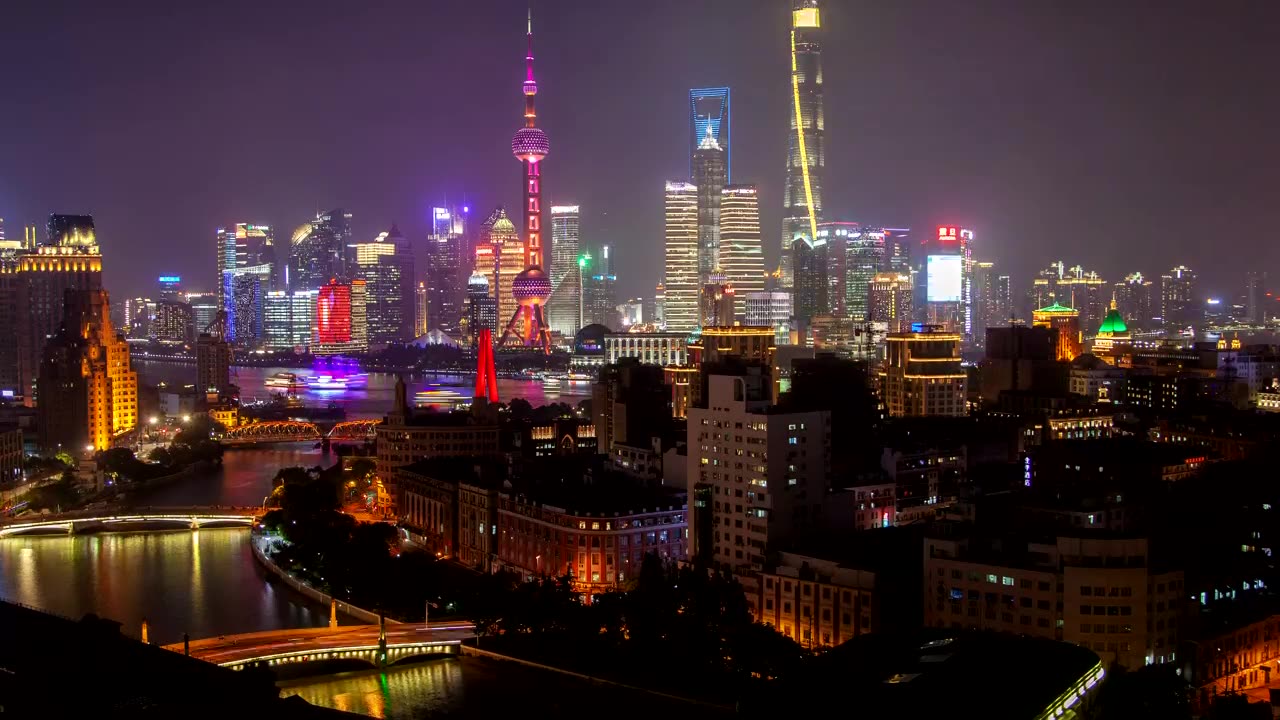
[944, 278]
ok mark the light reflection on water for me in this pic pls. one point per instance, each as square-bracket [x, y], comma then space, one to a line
[203, 582]
[411, 692]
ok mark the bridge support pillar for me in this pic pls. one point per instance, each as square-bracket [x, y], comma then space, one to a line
[195, 524]
[71, 528]
[333, 613]
[382, 640]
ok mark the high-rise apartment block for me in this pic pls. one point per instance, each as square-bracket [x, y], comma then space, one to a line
[756, 476]
[922, 375]
[1134, 300]
[680, 279]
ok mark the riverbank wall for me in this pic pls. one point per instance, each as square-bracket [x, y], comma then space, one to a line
[259, 553]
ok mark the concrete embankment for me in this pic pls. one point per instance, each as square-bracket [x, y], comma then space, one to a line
[259, 543]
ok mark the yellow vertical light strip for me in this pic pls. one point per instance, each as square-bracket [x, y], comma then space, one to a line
[804, 153]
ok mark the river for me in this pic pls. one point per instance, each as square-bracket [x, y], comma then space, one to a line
[206, 583]
[371, 401]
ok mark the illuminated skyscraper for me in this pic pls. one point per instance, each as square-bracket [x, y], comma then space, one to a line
[709, 175]
[806, 161]
[709, 115]
[386, 266]
[864, 252]
[289, 319]
[1178, 306]
[245, 245]
[421, 311]
[33, 287]
[811, 288]
[1255, 288]
[741, 251]
[319, 251]
[680, 279]
[447, 265]
[89, 390]
[71, 231]
[501, 258]
[985, 314]
[341, 318]
[482, 308]
[889, 298]
[922, 375]
[599, 290]
[562, 308]
[532, 286]
[245, 289]
[1133, 301]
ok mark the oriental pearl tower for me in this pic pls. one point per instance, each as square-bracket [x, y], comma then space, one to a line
[531, 287]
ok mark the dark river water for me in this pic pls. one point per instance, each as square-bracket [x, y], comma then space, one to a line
[206, 582]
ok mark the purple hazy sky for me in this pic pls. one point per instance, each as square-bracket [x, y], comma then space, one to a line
[1126, 136]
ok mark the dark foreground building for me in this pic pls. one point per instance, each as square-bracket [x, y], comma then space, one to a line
[978, 675]
[56, 667]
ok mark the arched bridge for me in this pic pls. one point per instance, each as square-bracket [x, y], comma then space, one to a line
[355, 642]
[276, 431]
[125, 520]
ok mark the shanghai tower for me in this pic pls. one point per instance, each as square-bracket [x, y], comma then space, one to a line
[806, 152]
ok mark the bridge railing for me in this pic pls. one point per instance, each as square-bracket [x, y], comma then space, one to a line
[107, 513]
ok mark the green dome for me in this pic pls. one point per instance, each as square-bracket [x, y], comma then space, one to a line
[1113, 324]
[1056, 308]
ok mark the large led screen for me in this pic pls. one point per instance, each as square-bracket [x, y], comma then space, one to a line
[944, 272]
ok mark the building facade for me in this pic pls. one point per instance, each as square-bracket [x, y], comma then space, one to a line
[922, 375]
[741, 251]
[1102, 592]
[680, 278]
[806, 144]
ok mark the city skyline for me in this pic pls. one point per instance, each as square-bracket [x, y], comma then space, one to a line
[1016, 177]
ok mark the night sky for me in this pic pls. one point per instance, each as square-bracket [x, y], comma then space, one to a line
[1122, 135]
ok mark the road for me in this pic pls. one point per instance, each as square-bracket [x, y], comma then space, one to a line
[239, 648]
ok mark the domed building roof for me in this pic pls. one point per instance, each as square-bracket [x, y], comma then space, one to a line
[1113, 323]
[590, 340]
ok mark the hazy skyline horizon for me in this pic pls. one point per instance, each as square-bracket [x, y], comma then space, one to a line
[1086, 134]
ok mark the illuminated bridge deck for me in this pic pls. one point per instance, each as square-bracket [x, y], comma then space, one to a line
[279, 647]
[125, 520]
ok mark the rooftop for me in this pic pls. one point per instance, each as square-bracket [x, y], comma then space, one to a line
[936, 674]
[599, 493]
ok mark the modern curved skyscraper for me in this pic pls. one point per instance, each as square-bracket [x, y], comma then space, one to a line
[806, 147]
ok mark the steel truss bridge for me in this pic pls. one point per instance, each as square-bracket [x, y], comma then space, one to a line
[347, 642]
[126, 520]
[276, 431]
